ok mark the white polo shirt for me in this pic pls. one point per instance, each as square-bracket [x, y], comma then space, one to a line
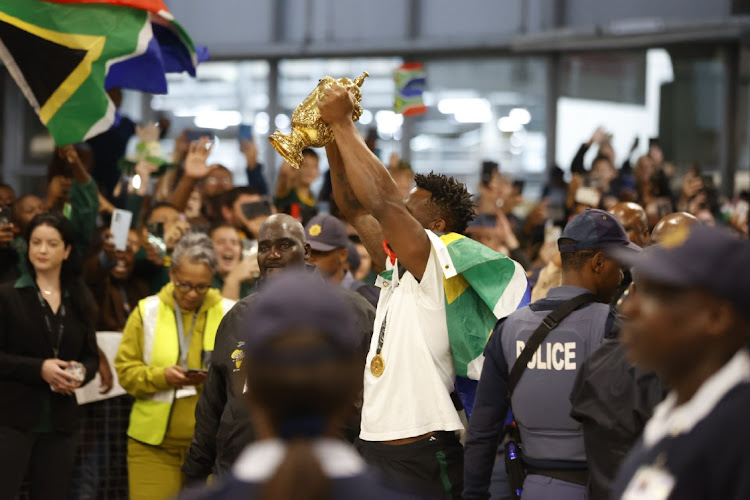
[412, 396]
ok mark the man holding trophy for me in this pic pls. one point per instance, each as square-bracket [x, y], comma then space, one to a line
[408, 417]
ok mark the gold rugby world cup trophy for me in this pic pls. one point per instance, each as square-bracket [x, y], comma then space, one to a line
[308, 130]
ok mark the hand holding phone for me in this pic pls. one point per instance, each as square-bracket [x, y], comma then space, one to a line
[588, 196]
[156, 237]
[120, 227]
[195, 377]
[245, 134]
[256, 209]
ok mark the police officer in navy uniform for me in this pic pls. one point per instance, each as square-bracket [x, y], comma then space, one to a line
[611, 397]
[552, 442]
[689, 321]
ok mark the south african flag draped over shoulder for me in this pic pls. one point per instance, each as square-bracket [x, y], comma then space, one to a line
[481, 286]
[63, 54]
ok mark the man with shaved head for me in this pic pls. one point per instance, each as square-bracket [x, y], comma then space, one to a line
[222, 423]
[633, 218]
[671, 224]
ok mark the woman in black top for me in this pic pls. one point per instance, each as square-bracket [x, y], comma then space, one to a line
[47, 350]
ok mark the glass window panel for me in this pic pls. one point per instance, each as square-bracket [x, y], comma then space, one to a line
[482, 109]
[223, 95]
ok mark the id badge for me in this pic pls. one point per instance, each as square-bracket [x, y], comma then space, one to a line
[650, 482]
[185, 392]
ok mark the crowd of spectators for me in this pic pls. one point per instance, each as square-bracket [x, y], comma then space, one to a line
[198, 242]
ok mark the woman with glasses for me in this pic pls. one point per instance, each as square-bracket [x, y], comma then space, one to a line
[163, 361]
[47, 350]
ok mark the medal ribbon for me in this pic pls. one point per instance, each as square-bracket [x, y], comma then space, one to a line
[381, 338]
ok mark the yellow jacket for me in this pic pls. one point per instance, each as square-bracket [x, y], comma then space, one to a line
[149, 345]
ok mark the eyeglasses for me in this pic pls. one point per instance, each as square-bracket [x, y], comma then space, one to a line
[186, 287]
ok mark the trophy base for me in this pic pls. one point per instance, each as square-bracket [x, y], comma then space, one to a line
[289, 146]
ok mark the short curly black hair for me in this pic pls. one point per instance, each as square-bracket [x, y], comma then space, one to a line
[451, 200]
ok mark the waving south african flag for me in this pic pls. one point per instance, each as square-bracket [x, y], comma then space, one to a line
[63, 54]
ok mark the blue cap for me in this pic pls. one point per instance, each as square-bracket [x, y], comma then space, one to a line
[595, 228]
[325, 233]
[298, 300]
[710, 258]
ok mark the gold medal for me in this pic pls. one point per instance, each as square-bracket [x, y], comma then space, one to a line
[377, 365]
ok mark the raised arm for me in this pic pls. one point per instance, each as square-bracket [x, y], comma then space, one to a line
[373, 185]
[366, 225]
[195, 170]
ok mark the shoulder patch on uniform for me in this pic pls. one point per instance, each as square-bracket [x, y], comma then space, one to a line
[238, 355]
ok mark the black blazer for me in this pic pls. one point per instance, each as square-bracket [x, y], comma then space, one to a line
[24, 345]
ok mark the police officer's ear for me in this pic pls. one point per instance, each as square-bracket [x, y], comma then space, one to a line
[719, 318]
[343, 254]
[598, 262]
[308, 251]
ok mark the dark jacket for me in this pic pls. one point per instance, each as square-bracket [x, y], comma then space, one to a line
[25, 344]
[709, 461]
[613, 399]
[222, 424]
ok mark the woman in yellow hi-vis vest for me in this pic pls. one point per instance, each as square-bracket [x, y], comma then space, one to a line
[162, 362]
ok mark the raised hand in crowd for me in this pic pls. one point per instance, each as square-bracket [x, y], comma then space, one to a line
[598, 136]
[195, 161]
[104, 204]
[175, 232]
[246, 270]
[53, 372]
[250, 151]
[71, 157]
[144, 169]
[181, 146]
[58, 191]
[195, 169]
[286, 180]
[108, 246]
[153, 254]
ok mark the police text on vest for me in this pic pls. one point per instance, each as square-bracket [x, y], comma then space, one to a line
[551, 356]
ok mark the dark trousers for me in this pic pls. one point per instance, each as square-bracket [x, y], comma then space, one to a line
[48, 457]
[434, 464]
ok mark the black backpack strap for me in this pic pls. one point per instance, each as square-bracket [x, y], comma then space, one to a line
[548, 324]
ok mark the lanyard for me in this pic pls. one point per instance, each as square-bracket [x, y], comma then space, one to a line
[60, 326]
[184, 340]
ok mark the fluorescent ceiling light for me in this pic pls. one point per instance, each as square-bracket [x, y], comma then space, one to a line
[218, 120]
[520, 115]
